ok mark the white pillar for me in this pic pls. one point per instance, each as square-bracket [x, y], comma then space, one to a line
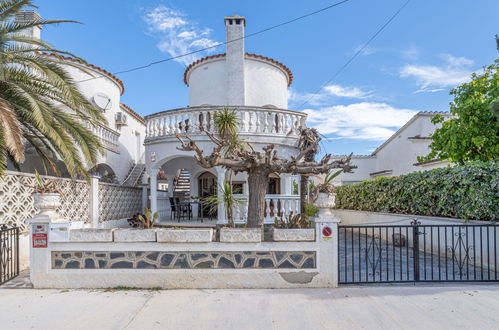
[326, 236]
[246, 186]
[154, 189]
[94, 201]
[222, 218]
[285, 184]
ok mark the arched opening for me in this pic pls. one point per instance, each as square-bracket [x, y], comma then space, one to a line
[105, 173]
[207, 185]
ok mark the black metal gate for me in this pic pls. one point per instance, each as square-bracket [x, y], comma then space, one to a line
[9, 253]
[418, 253]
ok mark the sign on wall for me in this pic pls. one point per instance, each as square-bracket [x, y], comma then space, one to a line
[326, 232]
[40, 235]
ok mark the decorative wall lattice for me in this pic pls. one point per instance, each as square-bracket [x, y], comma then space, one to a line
[16, 203]
[118, 202]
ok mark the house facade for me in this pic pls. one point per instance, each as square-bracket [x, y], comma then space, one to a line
[256, 87]
[122, 136]
[397, 155]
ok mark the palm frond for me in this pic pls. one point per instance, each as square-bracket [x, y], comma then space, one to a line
[45, 105]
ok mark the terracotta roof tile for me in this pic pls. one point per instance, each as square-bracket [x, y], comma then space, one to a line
[133, 113]
[285, 68]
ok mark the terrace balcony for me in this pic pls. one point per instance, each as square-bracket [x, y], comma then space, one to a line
[254, 121]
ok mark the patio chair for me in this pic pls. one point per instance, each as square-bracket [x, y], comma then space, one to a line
[184, 209]
[174, 210]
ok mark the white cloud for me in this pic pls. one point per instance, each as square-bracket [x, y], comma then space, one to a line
[432, 78]
[177, 34]
[327, 94]
[411, 53]
[365, 120]
[349, 92]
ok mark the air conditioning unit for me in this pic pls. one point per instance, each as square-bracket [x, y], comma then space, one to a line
[121, 118]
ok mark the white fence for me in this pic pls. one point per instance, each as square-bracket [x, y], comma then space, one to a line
[77, 202]
[253, 120]
[276, 206]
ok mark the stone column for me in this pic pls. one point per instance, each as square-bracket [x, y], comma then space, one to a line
[222, 218]
[154, 189]
[326, 234]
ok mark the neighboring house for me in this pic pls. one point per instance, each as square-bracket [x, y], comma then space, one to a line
[397, 155]
[256, 87]
[122, 137]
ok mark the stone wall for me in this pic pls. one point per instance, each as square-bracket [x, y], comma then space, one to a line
[184, 260]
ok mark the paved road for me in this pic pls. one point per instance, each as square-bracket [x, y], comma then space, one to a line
[374, 307]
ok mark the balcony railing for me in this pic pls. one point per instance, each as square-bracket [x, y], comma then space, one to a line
[276, 206]
[253, 121]
[108, 137]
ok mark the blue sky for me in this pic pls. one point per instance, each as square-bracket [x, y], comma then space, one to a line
[429, 48]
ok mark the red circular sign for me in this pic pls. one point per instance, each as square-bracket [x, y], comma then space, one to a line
[327, 231]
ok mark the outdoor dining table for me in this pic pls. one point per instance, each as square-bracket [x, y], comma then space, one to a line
[200, 208]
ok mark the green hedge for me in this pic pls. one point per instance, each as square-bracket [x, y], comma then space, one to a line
[470, 191]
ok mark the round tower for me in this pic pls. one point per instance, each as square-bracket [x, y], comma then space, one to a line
[237, 78]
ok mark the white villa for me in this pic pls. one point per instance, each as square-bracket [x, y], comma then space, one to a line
[257, 88]
[397, 155]
[123, 137]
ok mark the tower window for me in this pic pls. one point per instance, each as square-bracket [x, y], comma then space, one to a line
[238, 21]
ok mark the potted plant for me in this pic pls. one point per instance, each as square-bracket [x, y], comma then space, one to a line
[324, 194]
[195, 198]
[46, 197]
[142, 230]
[297, 228]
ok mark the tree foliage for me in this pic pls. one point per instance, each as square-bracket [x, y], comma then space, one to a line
[468, 191]
[40, 104]
[473, 131]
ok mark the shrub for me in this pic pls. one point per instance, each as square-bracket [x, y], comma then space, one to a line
[311, 210]
[470, 191]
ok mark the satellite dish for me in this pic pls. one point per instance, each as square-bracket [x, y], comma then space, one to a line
[102, 101]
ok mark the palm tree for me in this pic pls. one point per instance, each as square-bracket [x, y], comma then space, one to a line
[228, 199]
[40, 104]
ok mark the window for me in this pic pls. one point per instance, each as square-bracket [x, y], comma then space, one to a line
[237, 187]
[274, 187]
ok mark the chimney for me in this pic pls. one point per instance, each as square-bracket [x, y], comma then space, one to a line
[234, 26]
[28, 16]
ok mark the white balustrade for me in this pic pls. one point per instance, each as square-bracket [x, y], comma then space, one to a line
[107, 136]
[276, 206]
[253, 120]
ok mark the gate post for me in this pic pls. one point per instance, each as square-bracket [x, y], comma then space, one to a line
[415, 247]
[326, 236]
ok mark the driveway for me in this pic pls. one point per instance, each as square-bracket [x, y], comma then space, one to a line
[373, 307]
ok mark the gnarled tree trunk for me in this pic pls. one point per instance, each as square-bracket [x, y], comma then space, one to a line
[303, 192]
[258, 180]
